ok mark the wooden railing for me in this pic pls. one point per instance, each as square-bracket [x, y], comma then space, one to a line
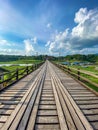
[81, 75]
[11, 77]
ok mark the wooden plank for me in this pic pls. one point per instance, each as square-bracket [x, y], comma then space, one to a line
[31, 123]
[85, 98]
[89, 106]
[47, 95]
[47, 113]
[83, 95]
[80, 92]
[47, 98]
[9, 98]
[76, 90]
[8, 107]
[17, 92]
[13, 115]
[67, 114]
[3, 119]
[47, 127]
[73, 89]
[74, 116]
[5, 112]
[62, 121]
[13, 95]
[91, 112]
[81, 116]
[86, 102]
[95, 125]
[47, 92]
[93, 118]
[1, 124]
[9, 102]
[47, 120]
[26, 116]
[47, 107]
[47, 102]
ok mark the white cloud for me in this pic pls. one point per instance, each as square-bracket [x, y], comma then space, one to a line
[81, 15]
[82, 36]
[4, 42]
[24, 48]
[34, 40]
[47, 44]
[11, 48]
[12, 52]
[29, 49]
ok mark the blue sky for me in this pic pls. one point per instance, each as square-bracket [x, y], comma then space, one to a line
[50, 27]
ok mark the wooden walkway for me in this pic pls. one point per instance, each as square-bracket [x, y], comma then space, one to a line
[48, 99]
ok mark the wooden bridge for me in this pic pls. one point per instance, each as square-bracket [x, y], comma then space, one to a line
[48, 99]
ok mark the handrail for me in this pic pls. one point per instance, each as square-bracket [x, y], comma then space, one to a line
[86, 72]
[78, 73]
[13, 76]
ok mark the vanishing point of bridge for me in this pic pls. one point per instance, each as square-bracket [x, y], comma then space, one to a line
[48, 99]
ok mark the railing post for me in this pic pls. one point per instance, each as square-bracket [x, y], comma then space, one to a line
[36, 66]
[32, 67]
[27, 70]
[17, 73]
[68, 70]
[78, 74]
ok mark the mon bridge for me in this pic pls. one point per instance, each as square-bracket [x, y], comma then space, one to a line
[48, 99]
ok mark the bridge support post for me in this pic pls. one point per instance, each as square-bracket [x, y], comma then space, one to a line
[78, 74]
[17, 73]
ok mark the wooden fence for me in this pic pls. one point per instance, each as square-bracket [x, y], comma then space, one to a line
[11, 77]
[80, 74]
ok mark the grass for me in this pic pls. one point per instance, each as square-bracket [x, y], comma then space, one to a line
[21, 62]
[12, 70]
[90, 68]
[14, 67]
[92, 86]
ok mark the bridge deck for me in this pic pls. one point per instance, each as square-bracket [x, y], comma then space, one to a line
[48, 99]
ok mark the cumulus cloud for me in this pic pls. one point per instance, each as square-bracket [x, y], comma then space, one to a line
[29, 49]
[48, 43]
[24, 48]
[83, 35]
[34, 40]
[11, 48]
[4, 42]
[11, 52]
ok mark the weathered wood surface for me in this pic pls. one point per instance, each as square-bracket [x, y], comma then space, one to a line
[48, 99]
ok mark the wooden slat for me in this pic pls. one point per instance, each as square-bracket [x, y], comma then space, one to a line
[68, 116]
[91, 112]
[47, 113]
[80, 114]
[47, 120]
[47, 127]
[13, 115]
[62, 121]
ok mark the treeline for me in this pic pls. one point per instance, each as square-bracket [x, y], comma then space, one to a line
[79, 57]
[76, 57]
[7, 58]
